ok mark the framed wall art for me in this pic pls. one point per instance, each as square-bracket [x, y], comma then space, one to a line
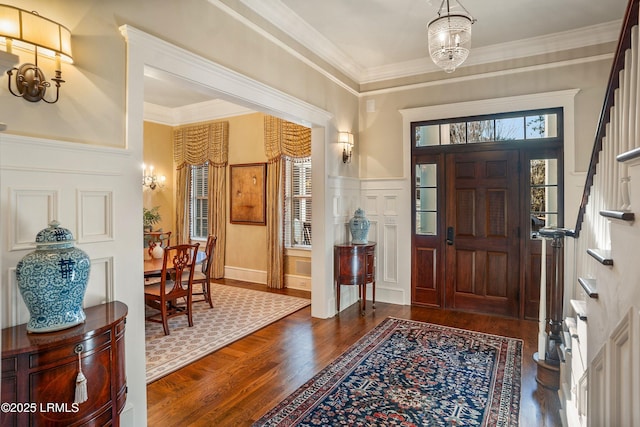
[248, 194]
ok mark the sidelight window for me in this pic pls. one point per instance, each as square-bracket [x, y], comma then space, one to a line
[544, 194]
[426, 185]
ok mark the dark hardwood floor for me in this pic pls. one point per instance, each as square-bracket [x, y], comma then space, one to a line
[237, 384]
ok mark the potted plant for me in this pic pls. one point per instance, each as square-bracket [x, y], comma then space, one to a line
[150, 217]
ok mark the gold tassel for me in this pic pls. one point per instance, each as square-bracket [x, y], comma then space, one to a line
[81, 380]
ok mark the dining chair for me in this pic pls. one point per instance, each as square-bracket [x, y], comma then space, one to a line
[202, 275]
[178, 262]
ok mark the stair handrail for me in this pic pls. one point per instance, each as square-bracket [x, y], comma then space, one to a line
[624, 43]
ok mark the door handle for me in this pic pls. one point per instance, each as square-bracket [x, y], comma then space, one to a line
[450, 236]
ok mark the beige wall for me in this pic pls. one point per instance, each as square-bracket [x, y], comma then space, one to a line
[381, 131]
[245, 248]
[91, 109]
[246, 244]
[158, 151]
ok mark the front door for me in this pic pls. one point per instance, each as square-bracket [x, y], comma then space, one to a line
[482, 232]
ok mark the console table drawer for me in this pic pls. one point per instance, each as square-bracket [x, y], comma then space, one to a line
[40, 369]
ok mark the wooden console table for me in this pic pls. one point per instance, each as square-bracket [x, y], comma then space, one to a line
[39, 372]
[355, 265]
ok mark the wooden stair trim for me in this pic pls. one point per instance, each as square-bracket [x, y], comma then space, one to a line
[624, 42]
[623, 215]
[580, 307]
[589, 286]
[601, 255]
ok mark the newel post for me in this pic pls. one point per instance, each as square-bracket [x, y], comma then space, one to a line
[549, 365]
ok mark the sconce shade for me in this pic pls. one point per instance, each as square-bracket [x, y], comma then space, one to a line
[346, 139]
[27, 29]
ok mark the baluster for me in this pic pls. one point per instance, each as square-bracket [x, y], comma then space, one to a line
[633, 87]
[634, 143]
[625, 84]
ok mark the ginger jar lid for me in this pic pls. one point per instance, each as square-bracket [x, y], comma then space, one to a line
[54, 236]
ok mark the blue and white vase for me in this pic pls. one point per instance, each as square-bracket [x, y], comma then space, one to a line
[359, 227]
[53, 280]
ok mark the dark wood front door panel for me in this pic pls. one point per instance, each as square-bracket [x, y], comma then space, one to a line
[427, 270]
[482, 217]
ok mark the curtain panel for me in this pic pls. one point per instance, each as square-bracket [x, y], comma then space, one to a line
[282, 139]
[195, 146]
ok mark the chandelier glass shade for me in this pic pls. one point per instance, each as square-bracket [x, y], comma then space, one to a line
[449, 37]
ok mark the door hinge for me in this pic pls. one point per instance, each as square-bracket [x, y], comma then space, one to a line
[518, 232]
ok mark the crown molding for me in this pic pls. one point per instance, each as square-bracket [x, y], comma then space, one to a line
[295, 27]
[492, 74]
[201, 112]
[298, 29]
[237, 16]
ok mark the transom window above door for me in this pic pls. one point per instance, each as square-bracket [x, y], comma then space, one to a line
[539, 125]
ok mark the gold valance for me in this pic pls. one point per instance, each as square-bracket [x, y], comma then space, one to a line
[283, 138]
[196, 145]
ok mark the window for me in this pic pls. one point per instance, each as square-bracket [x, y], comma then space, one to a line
[199, 202]
[297, 211]
[519, 126]
[544, 194]
[426, 186]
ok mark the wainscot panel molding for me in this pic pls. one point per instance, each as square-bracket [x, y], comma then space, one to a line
[95, 192]
[95, 215]
[43, 180]
[388, 205]
[345, 193]
[101, 287]
[42, 207]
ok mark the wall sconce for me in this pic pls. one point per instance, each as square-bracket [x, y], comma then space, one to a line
[151, 180]
[29, 31]
[346, 138]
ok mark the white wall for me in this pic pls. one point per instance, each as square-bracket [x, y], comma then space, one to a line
[91, 191]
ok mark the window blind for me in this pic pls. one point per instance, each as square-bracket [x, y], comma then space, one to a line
[298, 203]
[199, 202]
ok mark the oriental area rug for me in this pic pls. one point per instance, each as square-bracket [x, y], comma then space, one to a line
[408, 373]
[236, 313]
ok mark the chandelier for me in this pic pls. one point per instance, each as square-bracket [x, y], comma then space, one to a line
[450, 37]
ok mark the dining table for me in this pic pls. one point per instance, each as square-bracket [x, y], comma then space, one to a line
[153, 266]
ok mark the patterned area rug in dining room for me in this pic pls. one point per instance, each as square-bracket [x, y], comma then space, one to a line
[408, 373]
[236, 313]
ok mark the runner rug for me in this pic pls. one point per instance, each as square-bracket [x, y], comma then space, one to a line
[236, 313]
[409, 373]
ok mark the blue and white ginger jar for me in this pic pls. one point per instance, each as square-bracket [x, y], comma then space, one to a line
[359, 227]
[53, 280]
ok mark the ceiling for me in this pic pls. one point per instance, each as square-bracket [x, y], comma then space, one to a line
[372, 40]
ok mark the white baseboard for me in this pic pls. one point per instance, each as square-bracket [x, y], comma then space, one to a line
[389, 295]
[293, 281]
[246, 275]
